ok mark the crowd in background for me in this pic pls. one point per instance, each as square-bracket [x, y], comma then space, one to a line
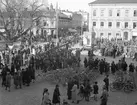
[118, 48]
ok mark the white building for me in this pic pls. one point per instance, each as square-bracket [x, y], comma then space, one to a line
[114, 19]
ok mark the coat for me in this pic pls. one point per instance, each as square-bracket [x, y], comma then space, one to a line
[56, 96]
[95, 87]
[15, 79]
[69, 92]
[104, 98]
[8, 80]
[74, 92]
[45, 99]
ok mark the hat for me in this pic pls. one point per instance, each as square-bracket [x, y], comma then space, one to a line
[45, 90]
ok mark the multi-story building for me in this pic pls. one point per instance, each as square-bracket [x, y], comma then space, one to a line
[85, 19]
[114, 19]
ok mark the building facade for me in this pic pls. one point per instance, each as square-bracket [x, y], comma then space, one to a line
[115, 19]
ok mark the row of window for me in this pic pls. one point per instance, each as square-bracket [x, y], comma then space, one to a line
[109, 34]
[118, 13]
[118, 24]
[117, 35]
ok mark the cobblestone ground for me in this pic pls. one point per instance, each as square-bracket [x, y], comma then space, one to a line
[32, 95]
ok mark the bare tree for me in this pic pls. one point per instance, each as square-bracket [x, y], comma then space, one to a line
[18, 17]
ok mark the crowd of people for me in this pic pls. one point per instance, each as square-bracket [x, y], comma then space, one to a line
[23, 73]
[56, 59]
[84, 89]
[76, 91]
[23, 64]
[118, 48]
[20, 76]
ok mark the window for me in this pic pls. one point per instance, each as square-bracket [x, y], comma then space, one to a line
[126, 13]
[94, 24]
[118, 12]
[135, 13]
[109, 34]
[101, 34]
[109, 24]
[125, 35]
[94, 13]
[102, 24]
[102, 13]
[117, 34]
[126, 24]
[134, 25]
[118, 24]
[110, 13]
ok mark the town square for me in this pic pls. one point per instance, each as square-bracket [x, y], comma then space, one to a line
[55, 52]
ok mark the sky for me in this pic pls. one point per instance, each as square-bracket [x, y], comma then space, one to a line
[72, 5]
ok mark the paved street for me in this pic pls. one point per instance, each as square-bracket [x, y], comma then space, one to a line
[32, 95]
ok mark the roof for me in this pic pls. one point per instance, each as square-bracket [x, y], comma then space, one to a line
[113, 1]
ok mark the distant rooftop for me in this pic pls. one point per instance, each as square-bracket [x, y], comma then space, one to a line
[113, 1]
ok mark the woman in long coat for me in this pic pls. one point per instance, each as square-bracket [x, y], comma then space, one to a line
[74, 93]
[56, 96]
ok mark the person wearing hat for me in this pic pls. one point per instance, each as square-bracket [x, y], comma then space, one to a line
[45, 98]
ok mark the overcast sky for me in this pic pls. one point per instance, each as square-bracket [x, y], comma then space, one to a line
[73, 5]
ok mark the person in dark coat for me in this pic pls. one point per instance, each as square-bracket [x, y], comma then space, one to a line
[101, 66]
[124, 66]
[3, 74]
[8, 81]
[32, 72]
[15, 80]
[69, 92]
[23, 76]
[113, 68]
[56, 96]
[95, 90]
[104, 97]
[12, 69]
[85, 62]
[27, 76]
[131, 67]
[87, 90]
[106, 80]
[20, 78]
